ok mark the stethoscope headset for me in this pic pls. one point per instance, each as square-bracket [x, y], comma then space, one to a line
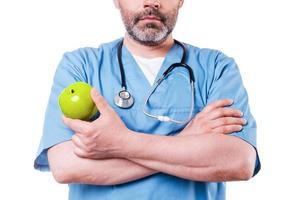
[125, 100]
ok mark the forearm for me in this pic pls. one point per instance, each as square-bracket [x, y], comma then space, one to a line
[110, 172]
[207, 157]
[206, 174]
[69, 168]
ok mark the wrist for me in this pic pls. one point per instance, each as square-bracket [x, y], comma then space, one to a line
[126, 145]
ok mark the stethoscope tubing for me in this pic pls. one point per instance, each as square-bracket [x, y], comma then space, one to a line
[126, 103]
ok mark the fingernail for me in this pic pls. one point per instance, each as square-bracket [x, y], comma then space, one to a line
[231, 101]
[241, 113]
[245, 121]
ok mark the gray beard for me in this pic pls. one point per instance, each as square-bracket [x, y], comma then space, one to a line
[150, 36]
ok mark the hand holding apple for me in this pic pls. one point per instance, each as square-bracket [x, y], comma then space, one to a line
[105, 137]
[76, 102]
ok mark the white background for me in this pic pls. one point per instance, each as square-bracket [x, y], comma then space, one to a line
[262, 36]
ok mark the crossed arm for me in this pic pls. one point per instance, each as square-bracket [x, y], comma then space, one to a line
[67, 167]
[222, 158]
[209, 157]
[201, 152]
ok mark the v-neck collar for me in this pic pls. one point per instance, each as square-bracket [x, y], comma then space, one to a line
[137, 82]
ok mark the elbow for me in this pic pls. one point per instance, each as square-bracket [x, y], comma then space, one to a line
[61, 163]
[235, 172]
[243, 173]
[244, 163]
[240, 170]
[62, 173]
[245, 168]
[62, 176]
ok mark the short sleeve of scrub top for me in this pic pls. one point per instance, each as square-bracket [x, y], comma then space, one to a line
[54, 131]
[227, 83]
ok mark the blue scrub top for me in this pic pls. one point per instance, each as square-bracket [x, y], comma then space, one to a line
[217, 76]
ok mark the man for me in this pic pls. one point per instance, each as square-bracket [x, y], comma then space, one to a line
[126, 154]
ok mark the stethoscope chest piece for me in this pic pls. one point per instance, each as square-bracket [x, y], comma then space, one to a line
[124, 99]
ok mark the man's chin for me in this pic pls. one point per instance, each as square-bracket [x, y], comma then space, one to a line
[148, 36]
[149, 41]
[149, 25]
[148, 31]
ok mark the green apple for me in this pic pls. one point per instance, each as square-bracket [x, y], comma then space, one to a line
[76, 102]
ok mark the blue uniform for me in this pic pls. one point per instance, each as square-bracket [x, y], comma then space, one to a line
[216, 77]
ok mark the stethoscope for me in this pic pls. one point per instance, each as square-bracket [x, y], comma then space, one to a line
[125, 100]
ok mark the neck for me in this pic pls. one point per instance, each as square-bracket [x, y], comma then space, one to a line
[138, 49]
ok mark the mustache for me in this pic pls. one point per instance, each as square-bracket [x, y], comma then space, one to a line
[150, 12]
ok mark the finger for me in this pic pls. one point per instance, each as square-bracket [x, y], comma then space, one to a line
[84, 139]
[80, 152]
[224, 112]
[228, 129]
[224, 121]
[217, 104]
[76, 124]
[100, 102]
[77, 142]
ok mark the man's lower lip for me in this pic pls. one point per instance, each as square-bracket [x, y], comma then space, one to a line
[150, 20]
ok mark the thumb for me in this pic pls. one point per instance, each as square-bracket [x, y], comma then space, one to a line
[101, 103]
